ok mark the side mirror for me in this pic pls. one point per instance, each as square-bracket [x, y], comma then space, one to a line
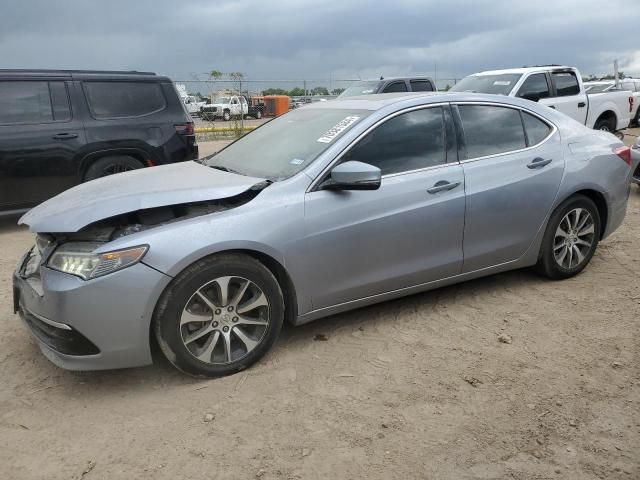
[534, 97]
[353, 175]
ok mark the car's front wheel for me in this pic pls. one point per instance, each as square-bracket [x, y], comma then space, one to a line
[219, 316]
[571, 238]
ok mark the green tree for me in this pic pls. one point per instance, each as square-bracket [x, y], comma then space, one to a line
[296, 92]
[337, 91]
[215, 74]
[274, 91]
[320, 91]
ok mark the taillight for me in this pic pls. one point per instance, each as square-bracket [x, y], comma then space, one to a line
[624, 153]
[630, 104]
[185, 128]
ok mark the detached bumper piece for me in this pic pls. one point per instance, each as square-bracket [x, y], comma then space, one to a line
[62, 338]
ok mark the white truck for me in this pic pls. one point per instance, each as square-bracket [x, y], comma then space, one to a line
[193, 105]
[558, 87]
[627, 84]
[226, 107]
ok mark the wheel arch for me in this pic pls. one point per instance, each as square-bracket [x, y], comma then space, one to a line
[601, 204]
[90, 158]
[272, 264]
[608, 115]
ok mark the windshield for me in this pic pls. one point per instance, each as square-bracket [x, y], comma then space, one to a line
[361, 88]
[222, 100]
[287, 144]
[501, 84]
[597, 88]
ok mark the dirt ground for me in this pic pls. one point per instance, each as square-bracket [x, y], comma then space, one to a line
[415, 388]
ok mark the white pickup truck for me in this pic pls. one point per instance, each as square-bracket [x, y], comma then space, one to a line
[225, 108]
[628, 84]
[558, 87]
[193, 105]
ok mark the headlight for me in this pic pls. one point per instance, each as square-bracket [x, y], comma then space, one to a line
[78, 259]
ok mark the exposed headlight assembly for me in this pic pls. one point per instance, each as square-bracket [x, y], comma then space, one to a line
[77, 258]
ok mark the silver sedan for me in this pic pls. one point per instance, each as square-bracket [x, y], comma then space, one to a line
[327, 208]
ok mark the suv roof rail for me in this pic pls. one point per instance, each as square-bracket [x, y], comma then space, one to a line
[45, 70]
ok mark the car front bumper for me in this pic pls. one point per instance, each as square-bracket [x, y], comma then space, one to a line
[89, 325]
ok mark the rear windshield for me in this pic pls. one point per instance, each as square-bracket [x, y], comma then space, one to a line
[501, 84]
[361, 88]
[124, 99]
[287, 144]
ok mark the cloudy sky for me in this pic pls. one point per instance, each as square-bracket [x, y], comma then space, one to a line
[331, 39]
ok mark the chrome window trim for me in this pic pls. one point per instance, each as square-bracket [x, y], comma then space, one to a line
[554, 129]
[339, 156]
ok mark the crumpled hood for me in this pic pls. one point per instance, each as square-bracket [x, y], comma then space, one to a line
[131, 191]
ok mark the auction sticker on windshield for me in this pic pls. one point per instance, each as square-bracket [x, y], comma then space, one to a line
[337, 129]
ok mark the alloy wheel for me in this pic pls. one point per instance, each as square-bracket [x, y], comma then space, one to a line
[574, 238]
[115, 168]
[224, 320]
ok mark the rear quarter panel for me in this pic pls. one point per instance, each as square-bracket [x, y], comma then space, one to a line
[592, 165]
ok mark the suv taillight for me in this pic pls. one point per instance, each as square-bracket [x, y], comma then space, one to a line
[624, 153]
[185, 128]
[630, 104]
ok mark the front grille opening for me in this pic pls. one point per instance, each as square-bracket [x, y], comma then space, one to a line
[67, 342]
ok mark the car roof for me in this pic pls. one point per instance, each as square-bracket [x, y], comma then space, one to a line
[381, 100]
[387, 79]
[81, 74]
[537, 68]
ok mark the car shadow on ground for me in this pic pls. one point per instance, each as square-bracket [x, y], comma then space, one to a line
[163, 375]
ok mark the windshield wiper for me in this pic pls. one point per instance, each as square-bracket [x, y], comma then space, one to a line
[225, 169]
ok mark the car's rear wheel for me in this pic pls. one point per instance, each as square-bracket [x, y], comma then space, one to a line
[571, 238]
[258, 114]
[219, 316]
[110, 165]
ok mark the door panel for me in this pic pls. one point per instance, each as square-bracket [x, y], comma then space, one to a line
[507, 202]
[569, 99]
[38, 160]
[363, 243]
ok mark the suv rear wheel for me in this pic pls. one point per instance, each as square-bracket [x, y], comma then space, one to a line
[110, 165]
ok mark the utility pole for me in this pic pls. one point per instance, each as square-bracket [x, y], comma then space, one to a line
[616, 74]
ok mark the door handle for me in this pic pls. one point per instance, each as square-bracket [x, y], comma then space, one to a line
[582, 105]
[538, 163]
[65, 136]
[442, 186]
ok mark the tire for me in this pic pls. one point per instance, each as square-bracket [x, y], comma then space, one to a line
[554, 244]
[605, 124]
[111, 165]
[196, 294]
[226, 115]
[258, 114]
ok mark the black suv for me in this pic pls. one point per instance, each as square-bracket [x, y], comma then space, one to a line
[389, 85]
[60, 128]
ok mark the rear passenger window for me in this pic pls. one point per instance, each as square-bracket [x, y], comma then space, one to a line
[534, 87]
[566, 83]
[124, 99]
[410, 141]
[536, 129]
[421, 86]
[25, 102]
[395, 87]
[491, 130]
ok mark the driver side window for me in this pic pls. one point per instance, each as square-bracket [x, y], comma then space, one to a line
[410, 141]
